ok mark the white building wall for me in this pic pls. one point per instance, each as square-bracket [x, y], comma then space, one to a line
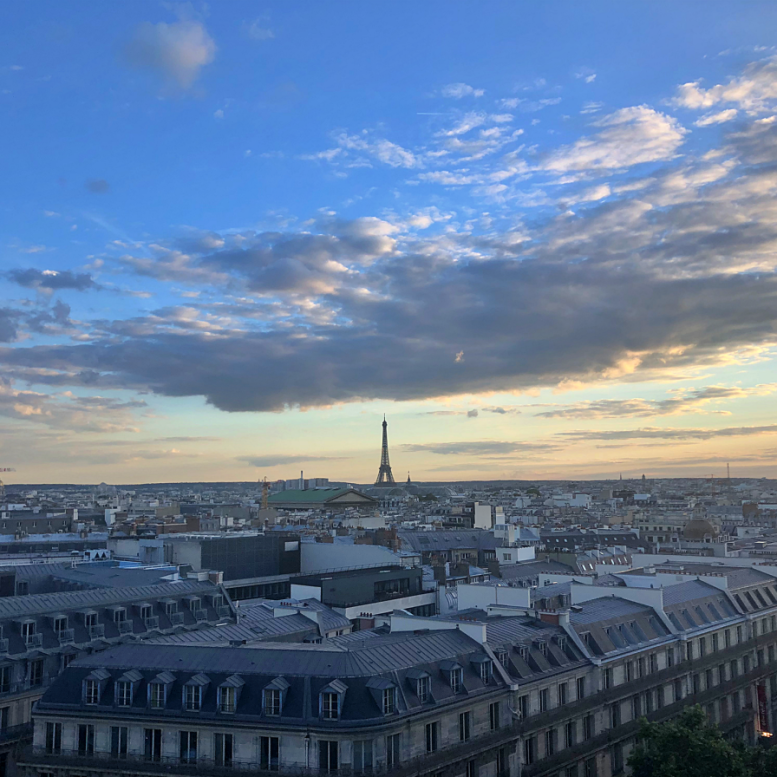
[318, 556]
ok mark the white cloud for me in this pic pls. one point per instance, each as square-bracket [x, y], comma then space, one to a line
[457, 91]
[258, 29]
[628, 137]
[219, 114]
[753, 91]
[717, 118]
[175, 51]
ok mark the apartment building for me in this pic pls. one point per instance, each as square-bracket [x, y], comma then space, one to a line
[489, 693]
[41, 634]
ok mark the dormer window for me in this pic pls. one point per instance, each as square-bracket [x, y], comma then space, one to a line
[123, 693]
[192, 692]
[389, 700]
[91, 692]
[542, 646]
[330, 706]
[227, 699]
[28, 630]
[145, 611]
[422, 689]
[523, 651]
[119, 615]
[60, 624]
[330, 699]
[503, 657]
[486, 669]
[90, 619]
[272, 702]
[192, 698]
[156, 696]
[456, 680]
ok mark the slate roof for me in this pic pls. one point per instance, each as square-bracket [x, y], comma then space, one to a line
[313, 495]
[426, 541]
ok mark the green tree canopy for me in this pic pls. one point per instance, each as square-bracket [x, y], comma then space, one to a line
[688, 747]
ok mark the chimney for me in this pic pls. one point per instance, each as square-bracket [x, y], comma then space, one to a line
[301, 481]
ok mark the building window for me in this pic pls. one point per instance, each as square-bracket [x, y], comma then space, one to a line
[53, 738]
[502, 763]
[485, 672]
[544, 701]
[192, 698]
[36, 673]
[678, 690]
[523, 706]
[422, 689]
[670, 657]
[616, 758]
[5, 679]
[689, 650]
[227, 699]
[91, 692]
[653, 663]
[223, 747]
[472, 768]
[28, 629]
[85, 739]
[660, 696]
[392, 750]
[588, 726]
[188, 747]
[739, 635]
[636, 706]
[607, 678]
[727, 637]
[456, 681]
[432, 731]
[272, 702]
[550, 742]
[581, 687]
[362, 755]
[734, 668]
[590, 767]
[702, 646]
[330, 706]
[60, 625]
[715, 640]
[156, 696]
[529, 750]
[615, 714]
[123, 693]
[388, 700]
[327, 755]
[562, 694]
[153, 744]
[119, 741]
[465, 726]
[494, 718]
[571, 771]
[569, 733]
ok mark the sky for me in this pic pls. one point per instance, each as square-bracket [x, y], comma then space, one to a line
[539, 237]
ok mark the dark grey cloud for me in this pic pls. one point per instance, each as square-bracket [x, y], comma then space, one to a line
[8, 319]
[97, 186]
[273, 460]
[677, 276]
[52, 280]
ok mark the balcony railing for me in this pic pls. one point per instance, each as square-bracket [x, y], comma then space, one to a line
[66, 636]
[16, 733]
[96, 762]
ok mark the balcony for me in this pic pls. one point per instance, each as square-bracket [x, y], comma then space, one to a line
[66, 636]
[176, 618]
[136, 764]
[223, 611]
[125, 627]
[16, 733]
[151, 623]
[200, 615]
[33, 641]
[97, 631]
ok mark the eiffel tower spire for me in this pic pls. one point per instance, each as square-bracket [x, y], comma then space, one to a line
[385, 478]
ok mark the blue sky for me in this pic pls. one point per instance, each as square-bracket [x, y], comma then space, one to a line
[540, 237]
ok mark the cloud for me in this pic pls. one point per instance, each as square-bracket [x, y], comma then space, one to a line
[187, 439]
[717, 118]
[52, 280]
[457, 91]
[176, 52]
[273, 460]
[478, 448]
[652, 433]
[472, 413]
[8, 325]
[94, 414]
[97, 186]
[754, 91]
[682, 402]
[363, 147]
[258, 30]
[627, 137]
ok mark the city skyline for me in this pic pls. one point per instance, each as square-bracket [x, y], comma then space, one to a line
[541, 241]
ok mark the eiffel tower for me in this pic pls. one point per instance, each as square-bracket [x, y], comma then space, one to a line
[385, 478]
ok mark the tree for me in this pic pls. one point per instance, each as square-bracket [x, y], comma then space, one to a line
[687, 747]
